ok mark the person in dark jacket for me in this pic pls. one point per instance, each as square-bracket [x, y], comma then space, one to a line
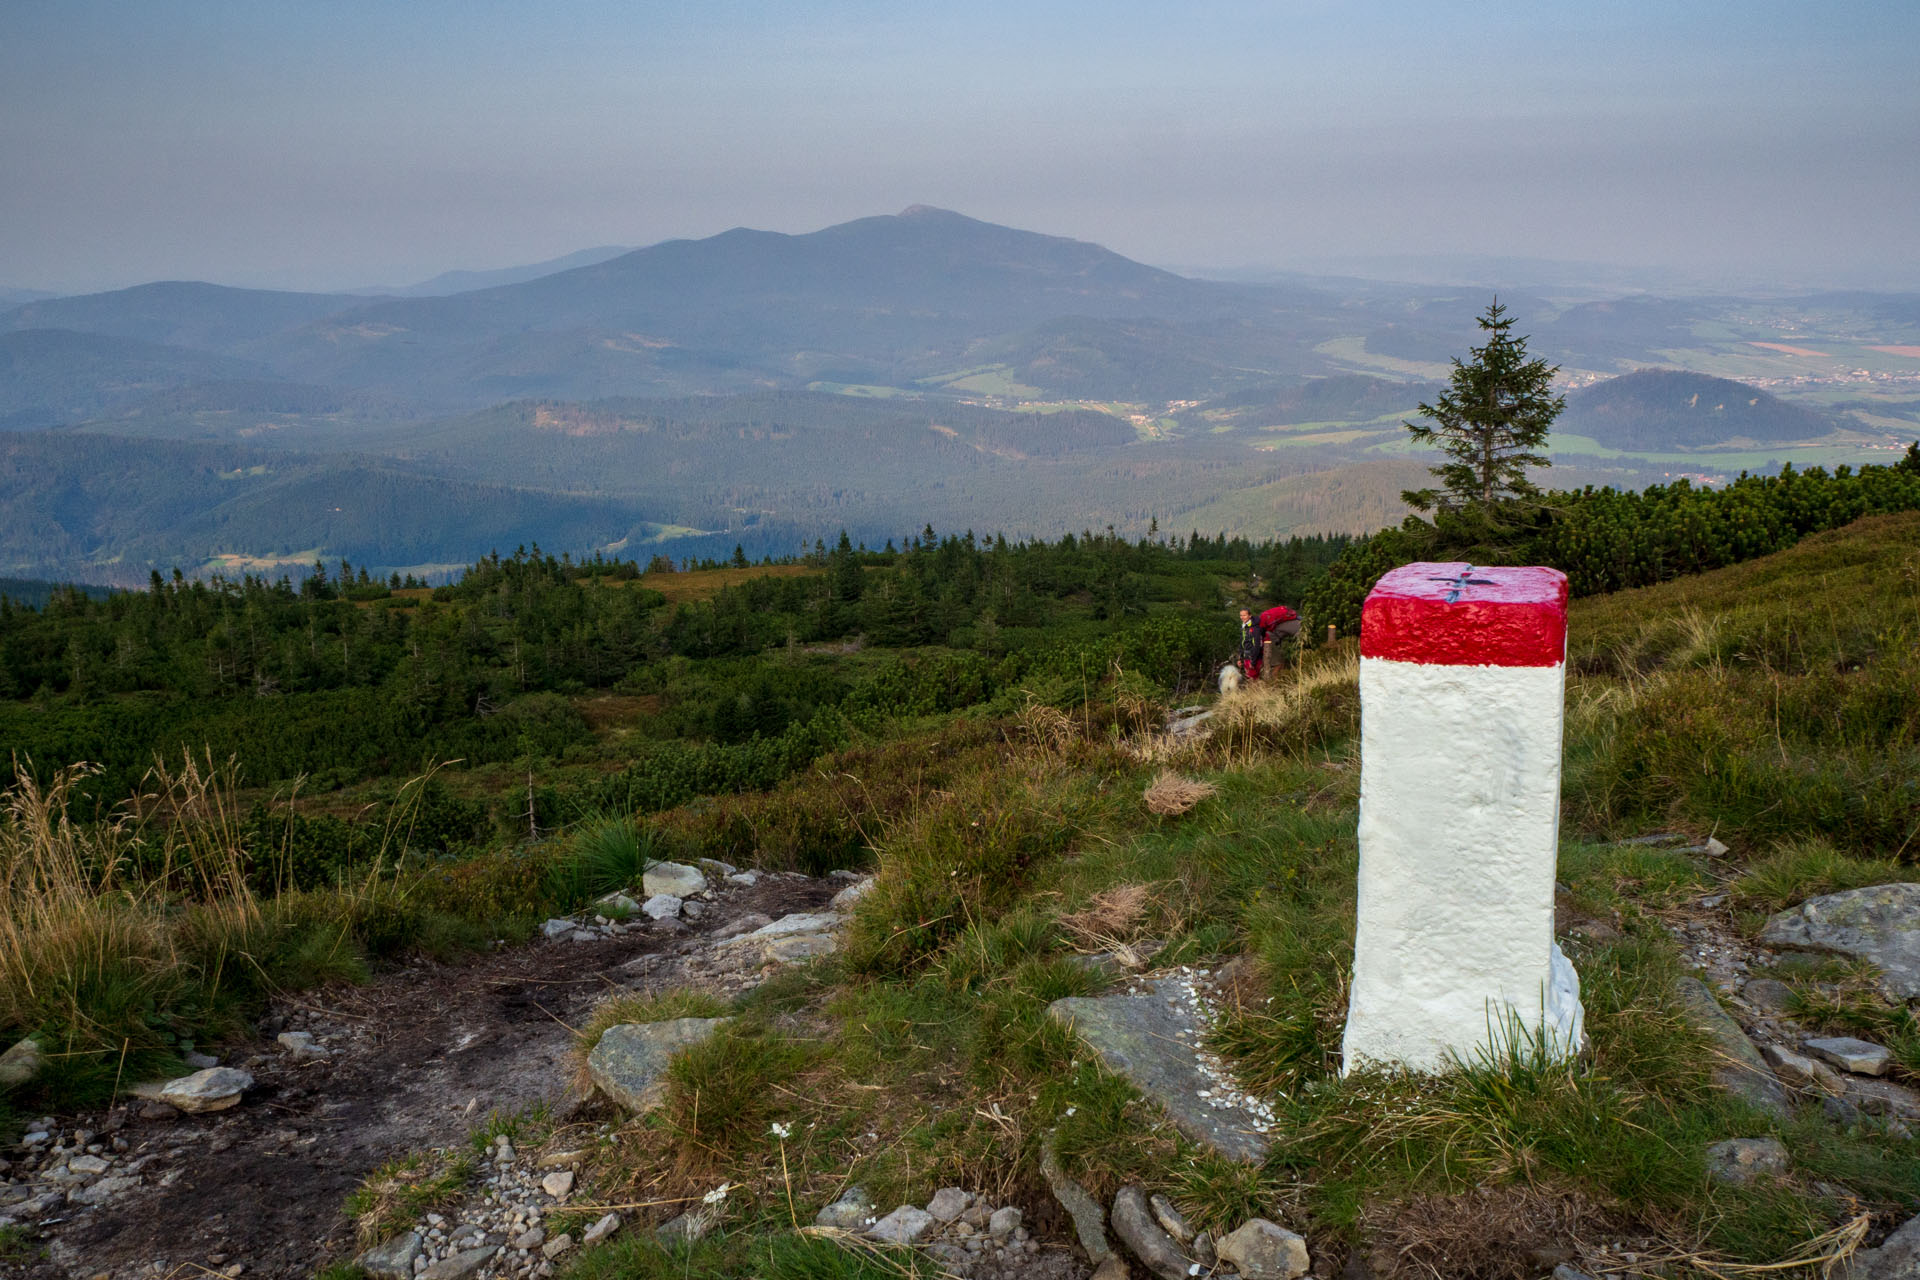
[1251, 639]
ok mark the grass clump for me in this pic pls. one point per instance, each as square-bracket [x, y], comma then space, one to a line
[966, 857]
[725, 1091]
[127, 939]
[1808, 867]
[394, 1196]
[1169, 795]
[605, 856]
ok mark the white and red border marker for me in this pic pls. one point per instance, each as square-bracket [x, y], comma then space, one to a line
[1462, 693]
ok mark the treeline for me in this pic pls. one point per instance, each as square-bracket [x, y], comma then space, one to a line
[342, 677]
[1608, 540]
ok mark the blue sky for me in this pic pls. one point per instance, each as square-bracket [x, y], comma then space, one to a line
[335, 143]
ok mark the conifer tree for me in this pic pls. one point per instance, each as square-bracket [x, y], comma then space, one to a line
[1490, 421]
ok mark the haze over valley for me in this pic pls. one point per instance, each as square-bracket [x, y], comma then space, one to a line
[765, 390]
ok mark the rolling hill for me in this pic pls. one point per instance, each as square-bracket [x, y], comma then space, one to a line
[181, 313]
[1656, 409]
[50, 376]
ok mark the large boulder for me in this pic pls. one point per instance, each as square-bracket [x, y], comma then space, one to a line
[1880, 924]
[673, 878]
[629, 1064]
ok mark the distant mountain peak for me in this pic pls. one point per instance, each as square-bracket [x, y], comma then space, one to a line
[927, 211]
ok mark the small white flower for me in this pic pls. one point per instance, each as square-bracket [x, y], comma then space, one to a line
[780, 1130]
[1072, 1110]
[718, 1194]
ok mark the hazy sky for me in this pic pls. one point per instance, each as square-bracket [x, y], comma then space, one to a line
[335, 143]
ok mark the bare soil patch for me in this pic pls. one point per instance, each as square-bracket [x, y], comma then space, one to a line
[419, 1058]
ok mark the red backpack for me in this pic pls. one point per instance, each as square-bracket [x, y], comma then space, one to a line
[1273, 617]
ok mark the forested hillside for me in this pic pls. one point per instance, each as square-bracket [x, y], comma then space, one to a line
[347, 678]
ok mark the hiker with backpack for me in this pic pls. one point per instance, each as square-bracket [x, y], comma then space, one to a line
[1277, 623]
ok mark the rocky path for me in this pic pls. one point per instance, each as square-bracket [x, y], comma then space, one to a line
[418, 1058]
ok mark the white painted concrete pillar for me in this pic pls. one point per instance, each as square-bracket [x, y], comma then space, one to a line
[1462, 703]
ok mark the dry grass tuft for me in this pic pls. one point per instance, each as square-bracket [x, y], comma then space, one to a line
[1169, 794]
[1490, 1233]
[395, 1195]
[1111, 920]
[1046, 726]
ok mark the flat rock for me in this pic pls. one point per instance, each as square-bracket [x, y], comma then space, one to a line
[662, 905]
[1880, 924]
[1133, 1223]
[1139, 1038]
[903, 1226]
[557, 928]
[1862, 1057]
[673, 878]
[559, 1185]
[391, 1259]
[1882, 1097]
[458, 1266]
[104, 1190]
[601, 1229]
[1004, 1222]
[793, 925]
[1897, 1258]
[214, 1089]
[949, 1203]
[629, 1064]
[804, 946]
[1737, 1065]
[1262, 1250]
[1739, 1161]
[849, 1213]
[741, 924]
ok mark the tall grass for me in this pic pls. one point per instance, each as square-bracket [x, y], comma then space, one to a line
[124, 941]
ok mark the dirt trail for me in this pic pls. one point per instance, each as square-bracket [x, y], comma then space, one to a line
[417, 1058]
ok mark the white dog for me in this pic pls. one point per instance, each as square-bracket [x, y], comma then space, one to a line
[1230, 678]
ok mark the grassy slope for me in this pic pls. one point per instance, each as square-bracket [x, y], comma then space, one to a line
[1772, 702]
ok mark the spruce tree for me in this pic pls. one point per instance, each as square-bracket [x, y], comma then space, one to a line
[1490, 421]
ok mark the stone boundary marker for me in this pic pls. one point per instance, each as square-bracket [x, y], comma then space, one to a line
[1462, 704]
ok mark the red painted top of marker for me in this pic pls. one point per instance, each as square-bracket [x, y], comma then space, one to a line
[1467, 615]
